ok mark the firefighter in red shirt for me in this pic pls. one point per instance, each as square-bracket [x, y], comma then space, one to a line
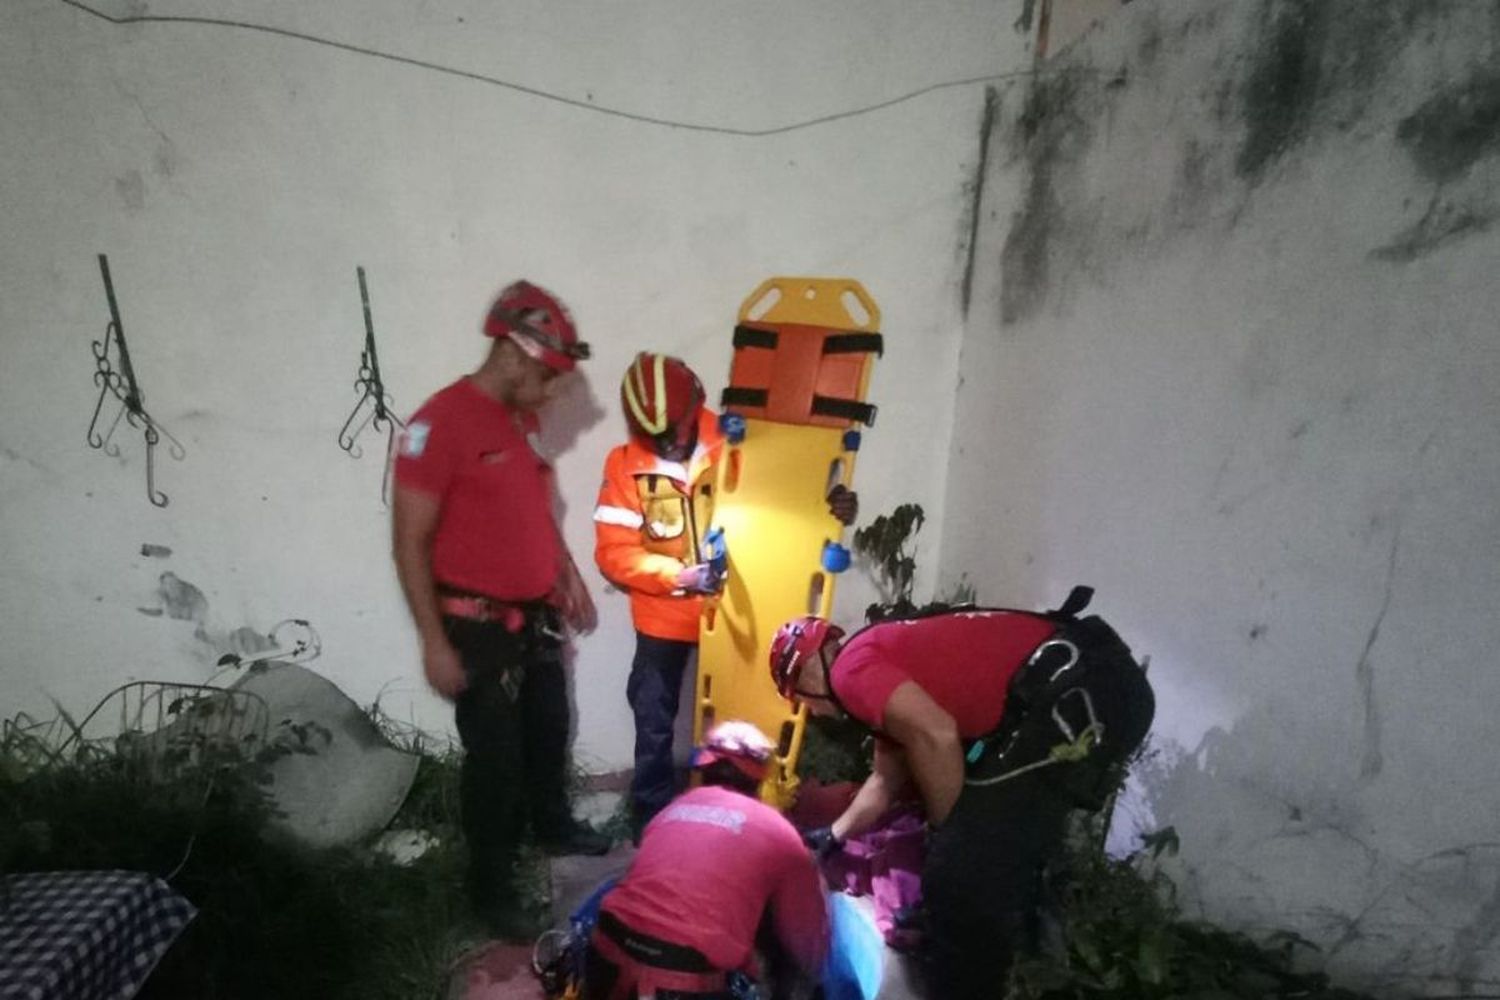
[715, 867]
[490, 584]
[654, 511]
[1004, 721]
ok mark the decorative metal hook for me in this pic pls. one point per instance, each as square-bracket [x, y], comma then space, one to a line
[375, 406]
[122, 385]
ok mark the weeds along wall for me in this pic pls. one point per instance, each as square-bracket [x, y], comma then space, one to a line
[236, 174]
[1232, 360]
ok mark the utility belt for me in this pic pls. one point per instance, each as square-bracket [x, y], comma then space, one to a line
[648, 964]
[538, 618]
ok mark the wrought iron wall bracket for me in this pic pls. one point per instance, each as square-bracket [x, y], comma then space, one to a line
[122, 385]
[375, 408]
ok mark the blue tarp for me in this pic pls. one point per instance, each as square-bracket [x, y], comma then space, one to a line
[856, 952]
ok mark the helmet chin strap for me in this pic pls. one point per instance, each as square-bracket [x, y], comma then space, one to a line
[828, 694]
[833, 695]
[670, 451]
[674, 446]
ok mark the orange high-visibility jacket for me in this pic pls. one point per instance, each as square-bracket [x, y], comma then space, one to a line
[649, 523]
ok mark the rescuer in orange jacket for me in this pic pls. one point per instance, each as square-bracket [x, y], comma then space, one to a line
[654, 510]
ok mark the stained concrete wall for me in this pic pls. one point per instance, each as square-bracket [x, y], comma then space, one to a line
[1068, 20]
[236, 173]
[1232, 359]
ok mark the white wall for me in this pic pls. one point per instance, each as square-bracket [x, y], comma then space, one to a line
[235, 178]
[1233, 361]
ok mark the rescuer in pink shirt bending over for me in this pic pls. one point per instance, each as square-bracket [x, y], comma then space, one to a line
[711, 866]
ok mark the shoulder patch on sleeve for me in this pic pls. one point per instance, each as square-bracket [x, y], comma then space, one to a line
[414, 439]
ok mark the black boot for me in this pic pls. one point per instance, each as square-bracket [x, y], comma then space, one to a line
[576, 838]
[490, 886]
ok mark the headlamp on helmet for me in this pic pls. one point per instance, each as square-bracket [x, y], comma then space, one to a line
[538, 323]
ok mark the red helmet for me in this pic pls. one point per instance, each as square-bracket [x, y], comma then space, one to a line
[794, 643]
[739, 743]
[662, 399]
[538, 323]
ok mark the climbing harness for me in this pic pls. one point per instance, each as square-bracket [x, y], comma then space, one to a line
[1075, 747]
[1076, 744]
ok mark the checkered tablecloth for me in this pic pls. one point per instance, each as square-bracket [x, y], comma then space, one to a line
[86, 935]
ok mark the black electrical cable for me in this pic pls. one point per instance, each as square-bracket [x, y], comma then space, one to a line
[533, 91]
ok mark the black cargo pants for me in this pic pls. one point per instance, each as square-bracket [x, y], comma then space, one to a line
[982, 876]
[513, 722]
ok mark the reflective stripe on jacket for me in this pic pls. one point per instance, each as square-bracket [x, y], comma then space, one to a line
[649, 524]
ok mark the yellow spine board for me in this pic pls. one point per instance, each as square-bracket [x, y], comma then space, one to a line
[770, 499]
[813, 301]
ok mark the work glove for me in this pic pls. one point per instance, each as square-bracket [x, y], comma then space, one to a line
[701, 578]
[908, 925]
[821, 841]
[843, 503]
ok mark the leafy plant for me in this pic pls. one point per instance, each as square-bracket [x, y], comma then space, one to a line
[883, 544]
[1119, 934]
[835, 750]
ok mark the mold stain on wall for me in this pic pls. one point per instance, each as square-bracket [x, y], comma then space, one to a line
[1282, 89]
[1317, 68]
[1447, 137]
[1050, 133]
[181, 600]
[1454, 128]
[1305, 72]
[1442, 223]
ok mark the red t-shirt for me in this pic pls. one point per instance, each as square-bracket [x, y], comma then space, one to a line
[495, 534]
[964, 660]
[709, 866]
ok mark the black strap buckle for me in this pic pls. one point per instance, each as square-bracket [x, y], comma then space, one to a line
[1078, 598]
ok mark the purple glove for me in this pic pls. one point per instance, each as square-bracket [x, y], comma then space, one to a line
[699, 579]
[843, 503]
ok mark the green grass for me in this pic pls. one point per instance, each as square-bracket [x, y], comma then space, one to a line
[274, 919]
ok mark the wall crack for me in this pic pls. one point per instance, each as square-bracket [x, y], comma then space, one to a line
[1372, 760]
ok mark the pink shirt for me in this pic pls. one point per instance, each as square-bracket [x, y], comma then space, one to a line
[709, 866]
[964, 661]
